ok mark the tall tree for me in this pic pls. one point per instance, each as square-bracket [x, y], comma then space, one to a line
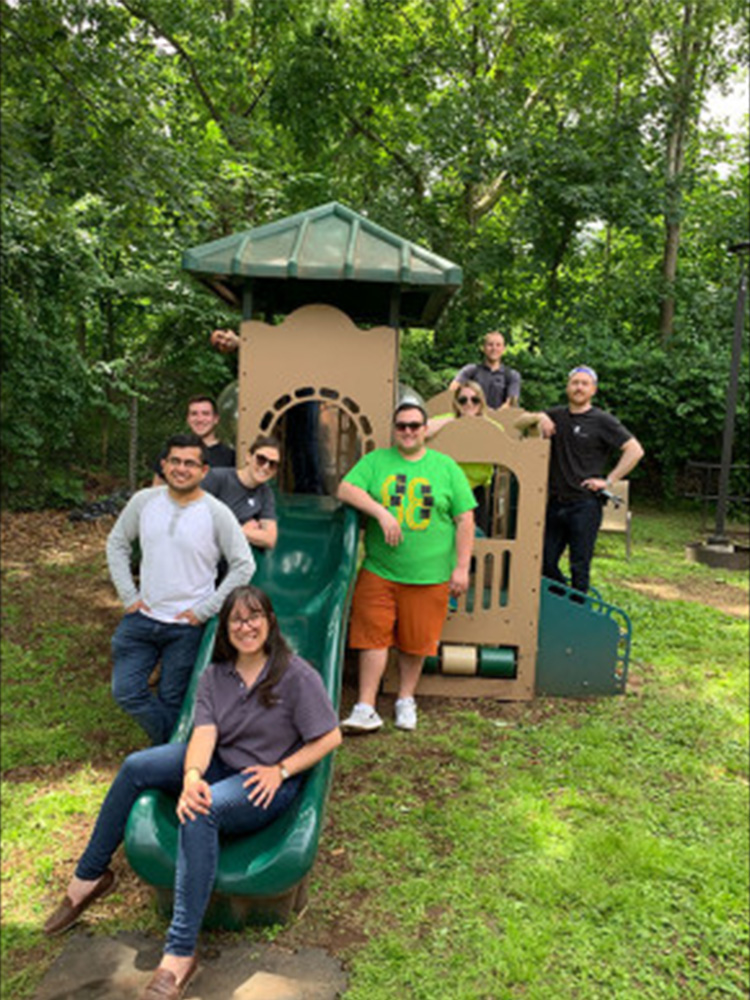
[693, 46]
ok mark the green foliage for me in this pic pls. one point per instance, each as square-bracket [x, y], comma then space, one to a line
[534, 144]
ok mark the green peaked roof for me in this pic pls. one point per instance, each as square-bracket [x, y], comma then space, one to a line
[328, 254]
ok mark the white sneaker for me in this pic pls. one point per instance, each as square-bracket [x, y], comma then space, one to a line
[363, 719]
[406, 713]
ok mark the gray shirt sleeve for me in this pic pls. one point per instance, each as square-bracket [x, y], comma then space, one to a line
[236, 551]
[465, 374]
[204, 703]
[513, 385]
[314, 715]
[119, 546]
[267, 504]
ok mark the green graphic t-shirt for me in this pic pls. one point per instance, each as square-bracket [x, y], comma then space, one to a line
[424, 496]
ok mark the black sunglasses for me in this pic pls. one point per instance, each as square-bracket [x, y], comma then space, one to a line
[262, 460]
[408, 425]
[468, 399]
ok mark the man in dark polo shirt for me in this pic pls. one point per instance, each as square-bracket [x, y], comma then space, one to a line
[501, 385]
[582, 438]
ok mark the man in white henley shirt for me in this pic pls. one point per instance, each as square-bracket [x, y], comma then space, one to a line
[182, 532]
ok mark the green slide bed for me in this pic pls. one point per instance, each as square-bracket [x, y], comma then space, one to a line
[262, 878]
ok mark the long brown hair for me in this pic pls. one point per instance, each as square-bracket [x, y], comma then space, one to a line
[275, 647]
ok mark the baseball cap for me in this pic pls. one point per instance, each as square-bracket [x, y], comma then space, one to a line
[409, 399]
[586, 371]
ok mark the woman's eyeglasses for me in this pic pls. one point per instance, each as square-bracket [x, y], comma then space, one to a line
[463, 400]
[253, 618]
[264, 460]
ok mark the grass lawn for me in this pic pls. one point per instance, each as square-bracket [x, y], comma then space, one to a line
[573, 850]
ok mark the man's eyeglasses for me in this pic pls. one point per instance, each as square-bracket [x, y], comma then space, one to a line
[463, 400]
[189, 463]
[263, 460]
[408, 425]
[253, 618]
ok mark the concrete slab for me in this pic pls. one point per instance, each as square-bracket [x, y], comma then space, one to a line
[118, 968]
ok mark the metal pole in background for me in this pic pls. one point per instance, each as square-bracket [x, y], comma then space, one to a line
[719, 536]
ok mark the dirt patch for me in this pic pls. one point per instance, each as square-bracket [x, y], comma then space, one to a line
[32, 537]
[714, 593]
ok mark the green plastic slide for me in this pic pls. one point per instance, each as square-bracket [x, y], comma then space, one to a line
[309, 577]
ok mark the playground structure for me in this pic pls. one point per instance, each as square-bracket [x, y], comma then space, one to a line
[344, 287]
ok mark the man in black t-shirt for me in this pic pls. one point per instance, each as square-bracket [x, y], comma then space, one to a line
[202, 419]
[582, 438]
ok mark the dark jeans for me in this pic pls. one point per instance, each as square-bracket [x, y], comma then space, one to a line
[482, 518]
[231, 814]
[138, 644]
[575, 524]
[302, 440]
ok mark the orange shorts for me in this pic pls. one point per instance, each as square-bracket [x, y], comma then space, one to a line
[405, 615]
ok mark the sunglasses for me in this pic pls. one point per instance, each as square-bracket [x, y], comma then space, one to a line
[463, 400]
[408, 425]
[263, 460]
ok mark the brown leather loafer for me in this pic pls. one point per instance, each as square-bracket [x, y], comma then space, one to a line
[68, 913]
[163, 984]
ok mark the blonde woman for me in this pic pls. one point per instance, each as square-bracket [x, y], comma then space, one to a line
[468, 401]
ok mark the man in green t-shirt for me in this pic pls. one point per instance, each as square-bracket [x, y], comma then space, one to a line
[418, 543]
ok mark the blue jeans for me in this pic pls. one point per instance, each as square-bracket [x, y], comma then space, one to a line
[302, 424]
[575, 524]
[198, 848]
[137, 646]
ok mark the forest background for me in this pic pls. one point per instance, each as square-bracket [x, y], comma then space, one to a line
[558, 150]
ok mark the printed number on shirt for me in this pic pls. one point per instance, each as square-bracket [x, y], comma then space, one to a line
[410, 502]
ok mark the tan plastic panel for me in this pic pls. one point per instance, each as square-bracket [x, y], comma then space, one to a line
[317, 353]
[475, 439]
[507, 418]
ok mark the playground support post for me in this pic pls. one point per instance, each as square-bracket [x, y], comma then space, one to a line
[719, 536]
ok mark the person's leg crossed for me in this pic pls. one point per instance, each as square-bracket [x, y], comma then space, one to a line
[179, 651]
[231, 814]
[157, 767]
[135, 653]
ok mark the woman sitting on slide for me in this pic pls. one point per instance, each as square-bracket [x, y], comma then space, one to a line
[468, 401]
[262, 718]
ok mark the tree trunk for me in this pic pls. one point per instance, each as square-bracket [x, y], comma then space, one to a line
[133, 446]
[669, 274]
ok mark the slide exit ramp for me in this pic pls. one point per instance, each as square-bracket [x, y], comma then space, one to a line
[584, 644]
[262, 878]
